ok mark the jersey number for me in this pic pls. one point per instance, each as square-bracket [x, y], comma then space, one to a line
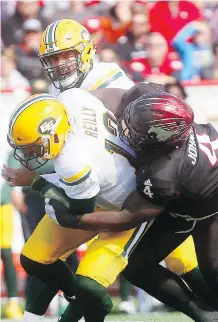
[210, 151]
[110, 123]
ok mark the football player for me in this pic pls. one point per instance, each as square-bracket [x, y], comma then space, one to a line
[83, 177]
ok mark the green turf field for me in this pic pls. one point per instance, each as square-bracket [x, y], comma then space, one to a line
[117, 317]
[150, 317]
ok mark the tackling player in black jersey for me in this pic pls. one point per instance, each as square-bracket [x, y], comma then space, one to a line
[177, 185]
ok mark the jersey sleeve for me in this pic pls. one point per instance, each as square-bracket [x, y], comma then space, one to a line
[157, 187]
[77, 176]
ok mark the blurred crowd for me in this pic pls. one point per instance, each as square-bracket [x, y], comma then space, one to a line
[159, 41]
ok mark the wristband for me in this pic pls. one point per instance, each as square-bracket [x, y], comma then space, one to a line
[35, 179]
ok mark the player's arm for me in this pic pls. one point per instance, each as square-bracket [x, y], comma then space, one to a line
[80, 187]
[144, 204]
[136, 210]
[77, 181]
[72, 192]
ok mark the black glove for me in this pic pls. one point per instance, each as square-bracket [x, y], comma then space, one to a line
[61, 214]
[51, 191]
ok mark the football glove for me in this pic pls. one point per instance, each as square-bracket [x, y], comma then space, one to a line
[60, 214]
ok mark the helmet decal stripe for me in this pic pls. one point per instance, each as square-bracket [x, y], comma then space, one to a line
[26, 104]
[51, 35]
[54, 30]
[47, 32]
[50, 38]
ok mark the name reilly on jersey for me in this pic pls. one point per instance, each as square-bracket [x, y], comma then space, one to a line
[89, 122]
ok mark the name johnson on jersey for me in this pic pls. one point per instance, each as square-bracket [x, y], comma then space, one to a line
[192, 149]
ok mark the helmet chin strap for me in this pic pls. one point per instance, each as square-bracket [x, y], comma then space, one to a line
[46, 144]
[70, 80]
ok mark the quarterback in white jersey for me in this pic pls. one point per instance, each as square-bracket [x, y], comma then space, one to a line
[91, 164]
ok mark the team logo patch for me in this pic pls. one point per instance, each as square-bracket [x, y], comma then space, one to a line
[147, 189]
[47, 125]
[160, 133]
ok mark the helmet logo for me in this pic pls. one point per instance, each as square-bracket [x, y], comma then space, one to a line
[85, 35]
[47, 126]
[161, 133]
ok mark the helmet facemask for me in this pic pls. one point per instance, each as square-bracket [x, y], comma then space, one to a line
[65, 74]
[130, 136]
[70, 72]
[37, 151]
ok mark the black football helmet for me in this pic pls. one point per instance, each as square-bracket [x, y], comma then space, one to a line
[156, 120]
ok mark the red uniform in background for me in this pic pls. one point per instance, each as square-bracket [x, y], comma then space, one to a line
[168, 67]
[167, 22]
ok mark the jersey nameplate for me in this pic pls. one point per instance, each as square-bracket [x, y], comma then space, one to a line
[89, 121]
[192, 149]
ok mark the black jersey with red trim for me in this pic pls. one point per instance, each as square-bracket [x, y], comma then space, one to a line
[185, 181]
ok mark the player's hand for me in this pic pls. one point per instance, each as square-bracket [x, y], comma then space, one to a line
[59, 213]
[18, 177]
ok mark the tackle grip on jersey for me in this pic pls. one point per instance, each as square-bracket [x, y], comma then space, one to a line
[50, 191]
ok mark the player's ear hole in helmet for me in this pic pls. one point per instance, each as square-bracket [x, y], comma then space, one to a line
[157, 120]
[38, 129]
[66, 53]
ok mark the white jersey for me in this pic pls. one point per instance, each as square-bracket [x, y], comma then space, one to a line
[102, 75]
[94, 161]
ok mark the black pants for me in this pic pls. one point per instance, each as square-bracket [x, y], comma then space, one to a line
[162, 238]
